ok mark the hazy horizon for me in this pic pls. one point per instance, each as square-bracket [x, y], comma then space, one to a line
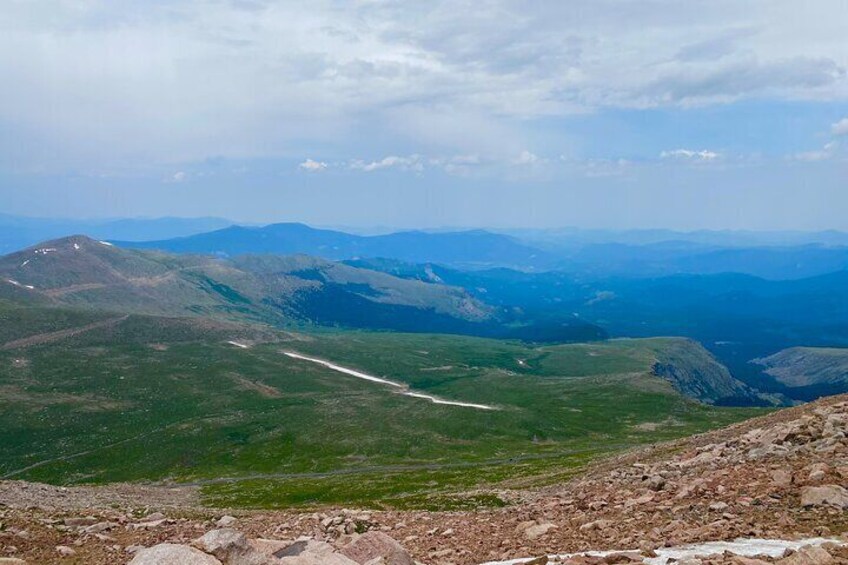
[371, 229]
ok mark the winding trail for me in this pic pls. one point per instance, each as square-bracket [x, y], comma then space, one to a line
[403, 389]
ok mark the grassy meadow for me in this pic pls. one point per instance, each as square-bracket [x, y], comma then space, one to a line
[153, 399]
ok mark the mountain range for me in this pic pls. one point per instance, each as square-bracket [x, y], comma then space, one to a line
[738, 317]
[594, 253]
[82, 272]
[484, 249]
[473, 248]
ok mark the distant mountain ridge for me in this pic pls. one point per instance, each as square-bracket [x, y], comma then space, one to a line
[468, 247]
[737, 317]
[580, 252]
[477, 249]
[681, 257]
[81, 272]
[809, 371]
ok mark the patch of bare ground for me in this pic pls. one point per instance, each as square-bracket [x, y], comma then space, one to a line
[20, 396]
[256, 386]
[49, 337]
[62, 291]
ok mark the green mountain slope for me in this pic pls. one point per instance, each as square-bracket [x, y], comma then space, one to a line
[151, 398]
[81, 272]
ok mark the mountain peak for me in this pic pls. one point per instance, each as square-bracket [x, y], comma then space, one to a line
[69, 242]
[74, 244]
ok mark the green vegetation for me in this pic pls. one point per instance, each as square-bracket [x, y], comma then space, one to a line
[82, 273]
[169, 399]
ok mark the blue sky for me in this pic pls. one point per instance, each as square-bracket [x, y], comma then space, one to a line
[593, 113]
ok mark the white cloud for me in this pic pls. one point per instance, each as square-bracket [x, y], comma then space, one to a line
[690, 154]
[411, 163]
[313, 166]
[179, 176]
[527, 158]
[136, 82]
[823, 154]
[840, 127]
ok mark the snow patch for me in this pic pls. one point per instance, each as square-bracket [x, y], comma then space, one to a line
[44, 250]
[437, 400]
[741, 546]
[16, 283]
[745, 547]
[76, 246]
[106, 243]
[25, 263]
[373, 379]
[237, 344]
[344, 370]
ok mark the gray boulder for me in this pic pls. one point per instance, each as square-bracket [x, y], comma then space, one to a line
[826, 495]
[232, 548]
[374, 545]
[311, 552]
[172, 554]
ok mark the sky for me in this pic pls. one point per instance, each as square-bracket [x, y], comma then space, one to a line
[487, 113]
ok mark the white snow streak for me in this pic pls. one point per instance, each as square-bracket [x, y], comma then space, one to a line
[741, 546]
[237, 344]
[373, 379]
[16, 283]
[437, 400]
[107, 243]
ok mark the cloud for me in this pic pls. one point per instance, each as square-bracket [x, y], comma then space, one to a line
[823, 154]
[411, 163]
[179, 176]
[840, 127]
[527, 158]
[312, 166]
[731, 79]
[135, 82]
[690, 154]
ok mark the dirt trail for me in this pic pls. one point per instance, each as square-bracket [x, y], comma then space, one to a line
[49, 337]
[54, 292]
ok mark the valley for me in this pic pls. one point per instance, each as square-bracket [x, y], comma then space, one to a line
[84, 408]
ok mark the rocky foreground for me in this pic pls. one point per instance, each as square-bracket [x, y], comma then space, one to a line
[782, 476]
